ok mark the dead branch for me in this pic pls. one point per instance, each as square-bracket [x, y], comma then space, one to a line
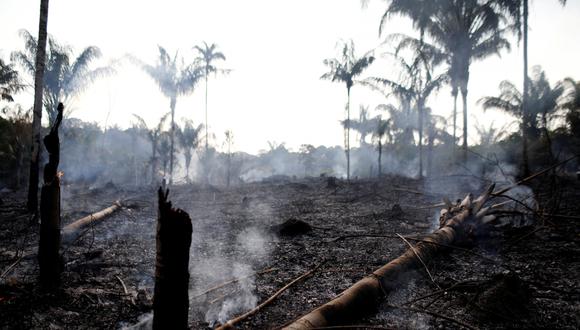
[456, 223]
[231, 323]
[235, 280]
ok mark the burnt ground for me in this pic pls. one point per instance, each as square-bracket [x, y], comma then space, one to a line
[524, 277]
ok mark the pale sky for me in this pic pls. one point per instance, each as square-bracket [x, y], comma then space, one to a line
[275, 49]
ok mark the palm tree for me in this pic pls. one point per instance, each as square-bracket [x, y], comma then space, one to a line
[207, 54]
[543, 101]
[571, 104]
[154, 135]
[512, 7]
[32, 203]
[345, 69]
[64, 78]
[174, 79]
[464, 31]
[382, 129]
[419, 11]
[417, 85]
[189, 139]
[9, 82]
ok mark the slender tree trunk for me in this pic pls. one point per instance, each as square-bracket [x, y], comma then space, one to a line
[206, 135]
[525, 161]
[172, 105]
[153, 161]
[32, 203]
[464, 97]
[420, 139]
[380, 155]
[348, 134]
[454, 94]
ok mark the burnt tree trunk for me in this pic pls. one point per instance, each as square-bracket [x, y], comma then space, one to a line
[457, 223]
[171, 298]
[48, 249]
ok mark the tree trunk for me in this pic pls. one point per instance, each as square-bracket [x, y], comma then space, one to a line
[454, 94]
[49, 261]
[348, 135]
[525, 161]
[32, 203]
[171, 298]
[153, 160]
[380, 155]
[420, 139]
[172, 105]
[464, 97]
[206, 135]
[365, 295]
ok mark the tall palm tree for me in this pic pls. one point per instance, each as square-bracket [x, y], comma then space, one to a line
[512, 7]
[419, 11]
[9, 82]
[417, 84]
[344, 70]
[65, 76]
[174, 79]
[464, 31]
[207, 55]
[32, 203]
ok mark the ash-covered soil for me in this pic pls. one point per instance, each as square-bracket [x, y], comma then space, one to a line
[524, 277]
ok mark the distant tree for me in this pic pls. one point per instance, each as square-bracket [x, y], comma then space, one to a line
[174, 79]
[307, 157]
[154, 135]
[416, 84]
[64, 78]
[229, 142]
[543, 102]
[344, 70]
[9, 82]
[518, 10]
[571, 104]
[207, 55]
[490, 135]
[189, 139]
[382, 130]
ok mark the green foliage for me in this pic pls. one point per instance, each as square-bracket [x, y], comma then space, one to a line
[65, 76]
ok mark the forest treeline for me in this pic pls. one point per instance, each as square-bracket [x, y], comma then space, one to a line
[404, 136]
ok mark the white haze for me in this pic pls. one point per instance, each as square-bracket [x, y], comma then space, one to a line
[276, 50]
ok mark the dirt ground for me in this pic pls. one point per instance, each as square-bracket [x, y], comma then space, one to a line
[514, 277]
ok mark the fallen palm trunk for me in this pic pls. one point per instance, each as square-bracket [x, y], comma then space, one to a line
[49, 260]
[171, 297]
[71, 231]
[457, 222]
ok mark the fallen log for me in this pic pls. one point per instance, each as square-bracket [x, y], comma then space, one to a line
[171, 293]
[457, 223]
[49, 261]
[73, 230]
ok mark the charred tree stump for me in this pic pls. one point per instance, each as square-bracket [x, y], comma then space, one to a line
[171, 297]
[458, 222]
[48, 249]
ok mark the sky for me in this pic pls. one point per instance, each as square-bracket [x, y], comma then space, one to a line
[275, 50]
